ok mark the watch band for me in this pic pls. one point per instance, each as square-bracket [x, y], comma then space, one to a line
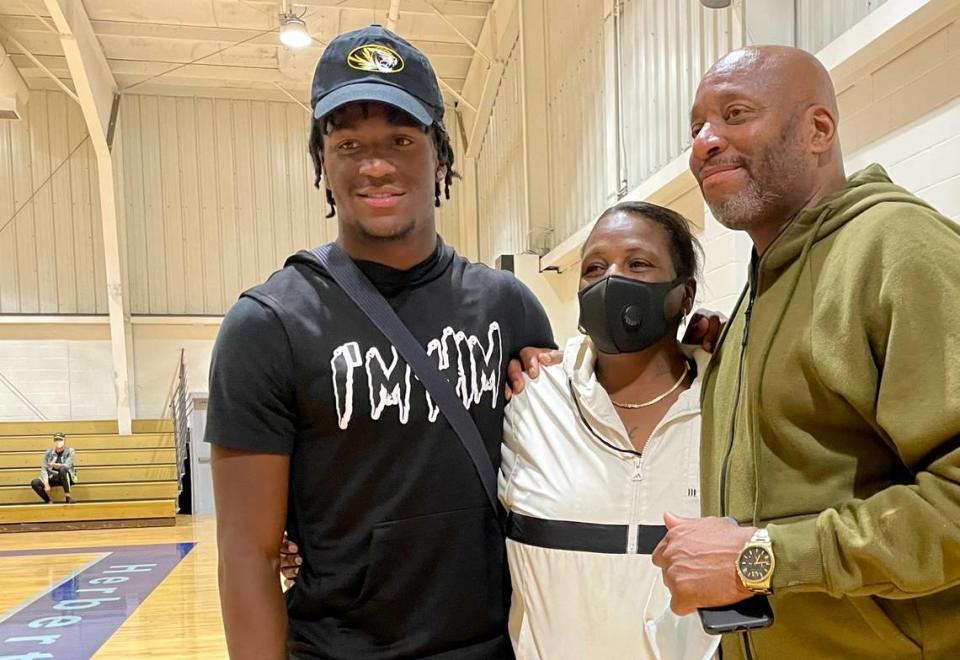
[760, 536]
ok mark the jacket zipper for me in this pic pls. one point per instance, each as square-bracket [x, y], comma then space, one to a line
[736, 406]
[747, 649]
[633, 528]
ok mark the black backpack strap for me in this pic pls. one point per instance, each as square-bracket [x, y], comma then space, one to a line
[356, 285]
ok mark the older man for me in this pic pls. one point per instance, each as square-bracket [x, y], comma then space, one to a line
[832, 406]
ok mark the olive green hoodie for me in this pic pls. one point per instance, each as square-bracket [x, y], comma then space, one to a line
[832, 417]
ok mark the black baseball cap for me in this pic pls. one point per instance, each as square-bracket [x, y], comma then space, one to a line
[374, 64]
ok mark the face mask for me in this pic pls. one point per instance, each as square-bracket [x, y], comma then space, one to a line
[622, 315]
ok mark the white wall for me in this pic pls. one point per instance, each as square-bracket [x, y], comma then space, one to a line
[156, 348]
[501, 204]
[218, 194]
[923, 157]
[579, 105]
[667, 47]
[821, 21]
[66, 370]
[51, 252]
[726, 263]
[664, 45]
[214, 195]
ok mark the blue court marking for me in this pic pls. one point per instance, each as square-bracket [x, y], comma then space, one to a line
[76, 616]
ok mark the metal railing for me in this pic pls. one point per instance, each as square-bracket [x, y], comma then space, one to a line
[22, 397]
[177, 407]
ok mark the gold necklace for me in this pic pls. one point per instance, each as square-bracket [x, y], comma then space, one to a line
[634, 406]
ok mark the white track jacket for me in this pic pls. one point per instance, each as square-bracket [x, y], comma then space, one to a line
[585, 515]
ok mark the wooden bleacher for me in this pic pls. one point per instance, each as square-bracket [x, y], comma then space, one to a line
[123, 480]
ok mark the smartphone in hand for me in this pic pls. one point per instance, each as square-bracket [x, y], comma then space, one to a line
[750, 614]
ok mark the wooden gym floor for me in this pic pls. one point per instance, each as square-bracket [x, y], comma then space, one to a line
[117, 593]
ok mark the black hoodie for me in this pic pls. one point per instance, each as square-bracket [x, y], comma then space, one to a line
[402, 555]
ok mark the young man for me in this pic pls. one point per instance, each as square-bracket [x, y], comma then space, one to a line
[57, 470]
[320, 427]
[831, 409]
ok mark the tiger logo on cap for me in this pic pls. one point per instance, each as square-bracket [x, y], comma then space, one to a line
[375, 58]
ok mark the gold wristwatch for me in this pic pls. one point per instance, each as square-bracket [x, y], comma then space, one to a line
[755, 563]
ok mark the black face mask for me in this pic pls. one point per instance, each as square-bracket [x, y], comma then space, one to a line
[622, 315]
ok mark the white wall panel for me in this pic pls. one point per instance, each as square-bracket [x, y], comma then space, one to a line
[821, 21]
[500, 184]
[51, 252]
[576, 104]
[157, 350]
[65, 372]
[666, 46]
[923, 157]
[218, 194]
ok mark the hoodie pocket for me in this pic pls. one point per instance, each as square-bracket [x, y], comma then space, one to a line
[437, 581]
[879, 615]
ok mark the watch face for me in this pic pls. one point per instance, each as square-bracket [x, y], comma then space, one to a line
[755, 563]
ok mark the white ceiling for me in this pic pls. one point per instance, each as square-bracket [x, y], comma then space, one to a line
[144, 38]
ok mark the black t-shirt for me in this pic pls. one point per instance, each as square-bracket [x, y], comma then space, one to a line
[402, 553]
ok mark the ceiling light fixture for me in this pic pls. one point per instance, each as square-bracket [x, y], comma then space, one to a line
[293, 30]
[715, 4]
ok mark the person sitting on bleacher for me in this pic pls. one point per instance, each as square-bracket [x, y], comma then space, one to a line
[58, 469]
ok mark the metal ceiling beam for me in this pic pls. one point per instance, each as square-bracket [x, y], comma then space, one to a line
[456, 94]
[88, 66]
[37, 16]
[462, 8]
[97, 91]
[500, 32]
[458, 8]
[33, 58]
[293, 98]
[460, 34]
[432, 37]
[130, 72]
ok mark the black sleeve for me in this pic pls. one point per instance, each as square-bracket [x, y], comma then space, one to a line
[252, 401]
[536, 325]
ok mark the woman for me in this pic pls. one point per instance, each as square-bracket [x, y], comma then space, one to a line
[599, 447]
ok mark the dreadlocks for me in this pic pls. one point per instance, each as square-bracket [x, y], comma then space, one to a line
[336, 120]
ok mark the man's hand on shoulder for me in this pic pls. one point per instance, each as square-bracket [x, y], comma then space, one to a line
[704, 329]
[531, 359]
[698, 557]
